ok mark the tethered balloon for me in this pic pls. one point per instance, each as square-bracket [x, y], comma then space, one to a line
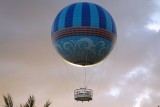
[83, 33]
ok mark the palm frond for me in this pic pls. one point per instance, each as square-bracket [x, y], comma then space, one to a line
[21, 105]
[47, 104]
[8, 101]
[30, 102]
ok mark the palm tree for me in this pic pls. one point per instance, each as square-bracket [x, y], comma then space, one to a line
[30, 102]
[47, 104]
[8, 101]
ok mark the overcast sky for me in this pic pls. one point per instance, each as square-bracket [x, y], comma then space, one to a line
[29, 65]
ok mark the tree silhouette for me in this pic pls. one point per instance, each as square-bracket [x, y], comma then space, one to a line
[8, 101]
[30, 102]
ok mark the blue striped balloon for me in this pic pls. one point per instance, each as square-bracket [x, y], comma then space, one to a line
[83, 33]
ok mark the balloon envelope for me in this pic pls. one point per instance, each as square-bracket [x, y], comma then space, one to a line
[83, 33]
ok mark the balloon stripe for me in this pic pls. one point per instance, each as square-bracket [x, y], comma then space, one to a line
[114, 27]
[61, 22]
[102, 18]
[77, 15]
[69, 16]
[85, 14]
[56, 22]
[109, 24]
[94, 16]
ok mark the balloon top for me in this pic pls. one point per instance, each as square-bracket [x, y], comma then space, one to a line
[84, 14]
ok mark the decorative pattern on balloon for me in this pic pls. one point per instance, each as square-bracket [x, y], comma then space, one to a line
[83, 50]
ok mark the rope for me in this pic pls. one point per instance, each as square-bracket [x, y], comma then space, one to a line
[85, 76]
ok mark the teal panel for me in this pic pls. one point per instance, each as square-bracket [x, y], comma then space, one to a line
[102, 17]
[61, 23]
[77, 15]
[69, 16]
[108, 20]
[94, 16]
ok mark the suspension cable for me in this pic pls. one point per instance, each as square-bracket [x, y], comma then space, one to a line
[85, 73]
[85, 76]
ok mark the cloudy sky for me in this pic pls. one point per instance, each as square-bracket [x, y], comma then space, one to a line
[29, 65]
